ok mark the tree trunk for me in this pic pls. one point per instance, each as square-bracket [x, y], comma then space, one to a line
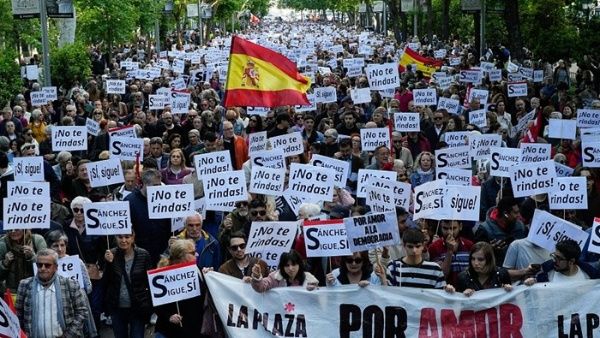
[429, 20]
[511, 18]
[445, 19]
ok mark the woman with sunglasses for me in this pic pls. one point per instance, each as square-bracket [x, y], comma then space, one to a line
[185, 318]
[17, 252]
[290, 272]
[356, 269]
[482, 272]
[255, 124]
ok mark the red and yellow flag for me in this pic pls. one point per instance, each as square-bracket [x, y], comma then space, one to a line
[427, 65]
[260, 77]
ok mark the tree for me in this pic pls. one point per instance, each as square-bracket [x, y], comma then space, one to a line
[10, 76]
[513, 27]
[69, 64]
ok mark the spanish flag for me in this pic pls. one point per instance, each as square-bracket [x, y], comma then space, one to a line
[260, 77]
[427, 65]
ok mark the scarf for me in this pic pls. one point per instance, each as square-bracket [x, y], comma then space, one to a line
[34, 303]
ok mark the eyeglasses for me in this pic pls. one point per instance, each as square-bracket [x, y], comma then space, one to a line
[44, 265]
[261, 212]
[78, 210]
[354, 260]
[557, 258]
[237, 247]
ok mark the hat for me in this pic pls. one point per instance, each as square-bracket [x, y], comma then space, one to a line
[27, 145]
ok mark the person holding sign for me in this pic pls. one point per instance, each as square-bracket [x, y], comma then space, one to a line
[207, 247]
[564, 266]
[184, 318]
[176, 170]
[482, 272]
[65, 304]
[241, 265]
[290, 272]
[127, 293]
[356, 269]
[17, 253]
[424, 169]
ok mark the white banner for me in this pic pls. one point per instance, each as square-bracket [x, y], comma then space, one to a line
[407, 122]
[528, 180]
[38, 190]
[463, 202]
[379, 311]
[478, 118]
[326, 238]
[174, 283]
[225, 187]
[128, 131]
[158, 101]
[291, 144]
[342, 168]
[503, 159]
[563, 170]
[51, 93]
[268, 240]
[264, 180]
[425, 97]
[481, 94]
[180, 102]
[372, 231]
[383, 76]
[29, 169]
[568, 193]
[457, 138]
[107, 218]
[168, 201]
[315, 184]
[127, 148]
[68, 267]
[69, 138]
[10, 326]
[212, 163]
[371, 138]
[495, 75]
[38, 99]
[457, 157]
[547, 230]
[103, 173]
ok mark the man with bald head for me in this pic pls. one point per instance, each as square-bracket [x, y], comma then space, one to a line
[237, 147]
[208, 250]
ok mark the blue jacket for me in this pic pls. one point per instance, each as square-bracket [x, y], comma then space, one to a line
[548, 266]
[208, 251]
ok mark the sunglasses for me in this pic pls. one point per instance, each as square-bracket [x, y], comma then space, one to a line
[262, 212]
[77, 210]
[237, 247]
[44, 265]
[354, 260]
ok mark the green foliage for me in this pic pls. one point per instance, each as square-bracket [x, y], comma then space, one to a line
[69, 64]
[10, 77]
[108, 21]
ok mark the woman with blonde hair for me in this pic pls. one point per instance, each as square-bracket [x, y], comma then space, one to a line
[183, 319]
[176, 170]
[424, 169]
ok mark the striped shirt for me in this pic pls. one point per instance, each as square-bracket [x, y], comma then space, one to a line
[426, 275]
[47, 317]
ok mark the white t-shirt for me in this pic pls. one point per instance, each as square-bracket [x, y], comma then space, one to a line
[557, 277]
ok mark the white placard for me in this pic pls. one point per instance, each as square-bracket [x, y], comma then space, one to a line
[502, 159]
[360, 95]
[380, 200]
[563, 170]
[326, 238]
[168, 201]
[457, 138]
[588, 118]
[495, 75]
[425, 97]
[267, 181]
[595, 237]
[127, 148]
[325, 95]
[535, 152]
[445, 82]
[366, 174]
[103, 173]
[454, 176]
[547, 230]
[291, 144]
[463, 202]
[69, 138]
[470, 76]
[257, 142]
[212, 163]
[33, 72]
[371, 138]
[481, 94]
[568, 193]
[268, 240]
[29, 169]
[273, 158]
[481, 144]
[115, 86]
[354, 71]
[26, 213]
[177, 84]
[429, 200]
[451, 105]
[315, 184]
[407, 122]
[562, 129]
[107, 218]
[178, 223]
[372, 231]
[383, 76]
[178, 66]
[528, 180]
[39, 190]
[174, 283]
[260, 111]
[51, 93]
[38, 98]
[342, 168]
[514, 77]
[225, 187]
[439, 53]
[538, 75]
[93, 127]
[180, 102]
[68, 267]
[158, 101]
[457, 157]
[128, 131]
[590, 153]
[516, 89]
[478, 118]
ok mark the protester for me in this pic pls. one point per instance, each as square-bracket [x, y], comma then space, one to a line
[482, 272]
[241, 264]
[356, 269]
[290, 272]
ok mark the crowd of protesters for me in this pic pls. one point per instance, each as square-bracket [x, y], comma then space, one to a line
[454, 255]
